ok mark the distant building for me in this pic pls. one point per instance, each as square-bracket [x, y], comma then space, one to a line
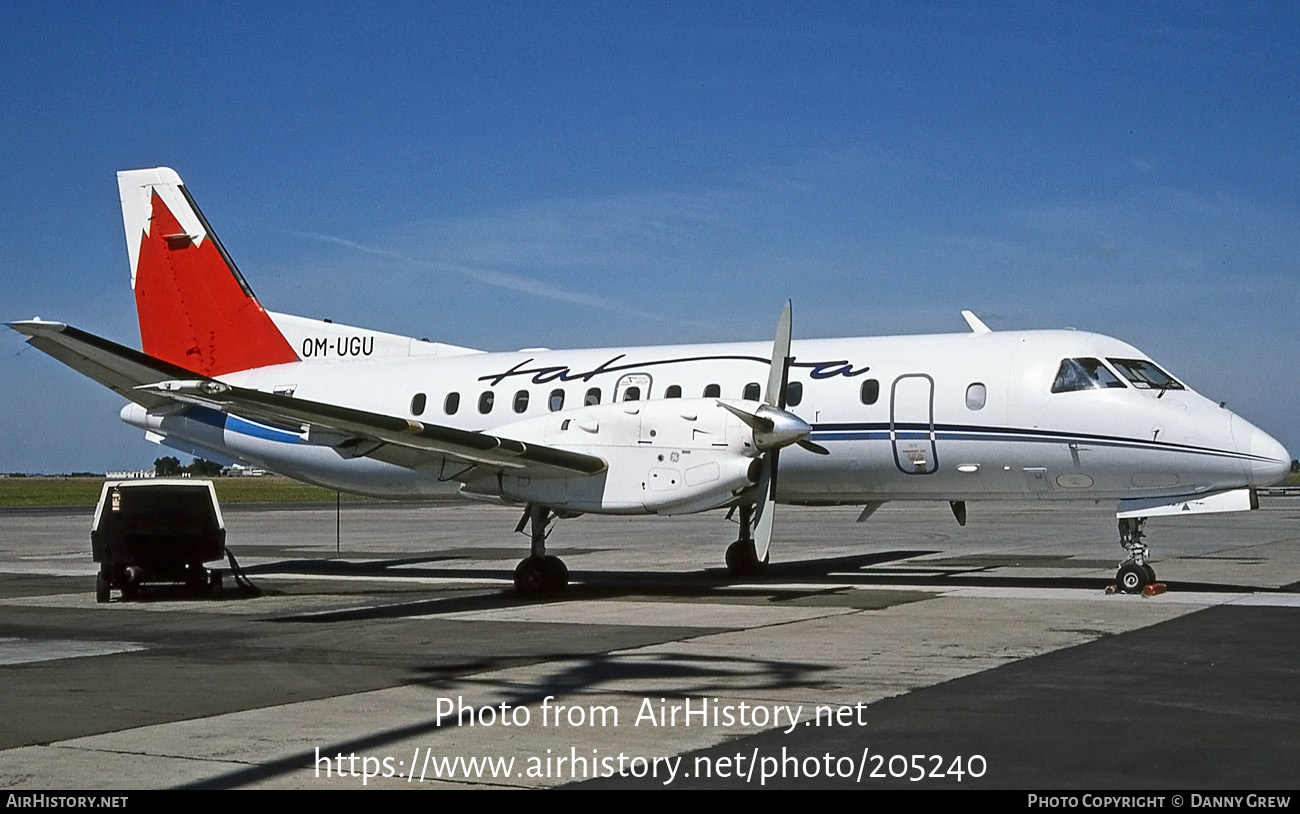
[124, 475]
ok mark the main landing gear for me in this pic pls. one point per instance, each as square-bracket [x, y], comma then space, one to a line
[742, 561]
[539, 574]
[1135, 573]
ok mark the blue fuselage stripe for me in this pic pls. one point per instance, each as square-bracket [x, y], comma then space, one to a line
[233, 423]
[948, 433]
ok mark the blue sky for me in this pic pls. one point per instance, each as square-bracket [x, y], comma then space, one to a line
[505, 175]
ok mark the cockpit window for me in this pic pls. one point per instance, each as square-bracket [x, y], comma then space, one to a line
[1083, 374]
[1145, 374]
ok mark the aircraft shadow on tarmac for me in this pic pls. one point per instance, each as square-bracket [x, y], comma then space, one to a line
[891, 569]
[586, 586]
[885, 569]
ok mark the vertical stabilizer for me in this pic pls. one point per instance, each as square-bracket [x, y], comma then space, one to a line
[194, 307]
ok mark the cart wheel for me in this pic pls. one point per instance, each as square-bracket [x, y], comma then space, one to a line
[129, 580]
[101, 588]
[196, 579]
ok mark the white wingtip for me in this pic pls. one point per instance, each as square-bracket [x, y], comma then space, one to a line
[35, 325]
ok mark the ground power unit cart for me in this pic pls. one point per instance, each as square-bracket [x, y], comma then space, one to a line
[157, 531]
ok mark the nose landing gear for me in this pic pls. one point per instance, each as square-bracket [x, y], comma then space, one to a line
[1135, 575]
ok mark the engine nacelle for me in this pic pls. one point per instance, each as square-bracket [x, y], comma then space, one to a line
[674, 456]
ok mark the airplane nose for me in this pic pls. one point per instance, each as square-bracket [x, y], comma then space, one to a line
[1269, 460]
[1269, 472]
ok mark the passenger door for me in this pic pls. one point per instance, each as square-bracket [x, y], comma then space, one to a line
[911, 424]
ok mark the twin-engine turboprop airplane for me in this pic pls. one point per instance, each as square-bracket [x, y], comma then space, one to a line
[653, 430]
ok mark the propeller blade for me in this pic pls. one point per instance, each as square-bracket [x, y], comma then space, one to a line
[776, 376]
[754, 422]
[786, 427]
[764, 507]
[813, 447]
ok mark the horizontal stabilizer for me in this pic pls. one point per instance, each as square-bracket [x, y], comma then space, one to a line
[117, 367]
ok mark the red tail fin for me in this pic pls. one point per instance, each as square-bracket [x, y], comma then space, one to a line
[194, 307]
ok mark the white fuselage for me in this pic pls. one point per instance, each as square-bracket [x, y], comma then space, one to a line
[956, 417]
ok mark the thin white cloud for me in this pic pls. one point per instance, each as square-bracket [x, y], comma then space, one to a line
[498, 279]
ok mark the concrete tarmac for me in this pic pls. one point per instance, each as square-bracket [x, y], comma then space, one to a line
[904, 651]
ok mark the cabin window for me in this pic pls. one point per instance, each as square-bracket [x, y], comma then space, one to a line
[521, 401]
[870, 391]
[451, 404]
[793, 394]
[592, 397]
[417, 404]
[674, 391]
[556, 401]
[1146, 375]
[976, 395]
[485, 402]
[1083, 374]
[633, 393]
[564, 425]
[752, 392]
[712, 391]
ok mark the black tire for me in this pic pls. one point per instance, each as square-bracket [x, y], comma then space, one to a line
[196, 581]
[1132, 578]
[742, 561]
[530, 577]
[102, 588]
[736, 558]
[555, 574]
[1151, 573]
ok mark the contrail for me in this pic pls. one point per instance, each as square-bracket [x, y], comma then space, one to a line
[498, 279]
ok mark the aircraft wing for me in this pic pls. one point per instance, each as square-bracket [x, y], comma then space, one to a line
[359, 432]
[153, 383]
